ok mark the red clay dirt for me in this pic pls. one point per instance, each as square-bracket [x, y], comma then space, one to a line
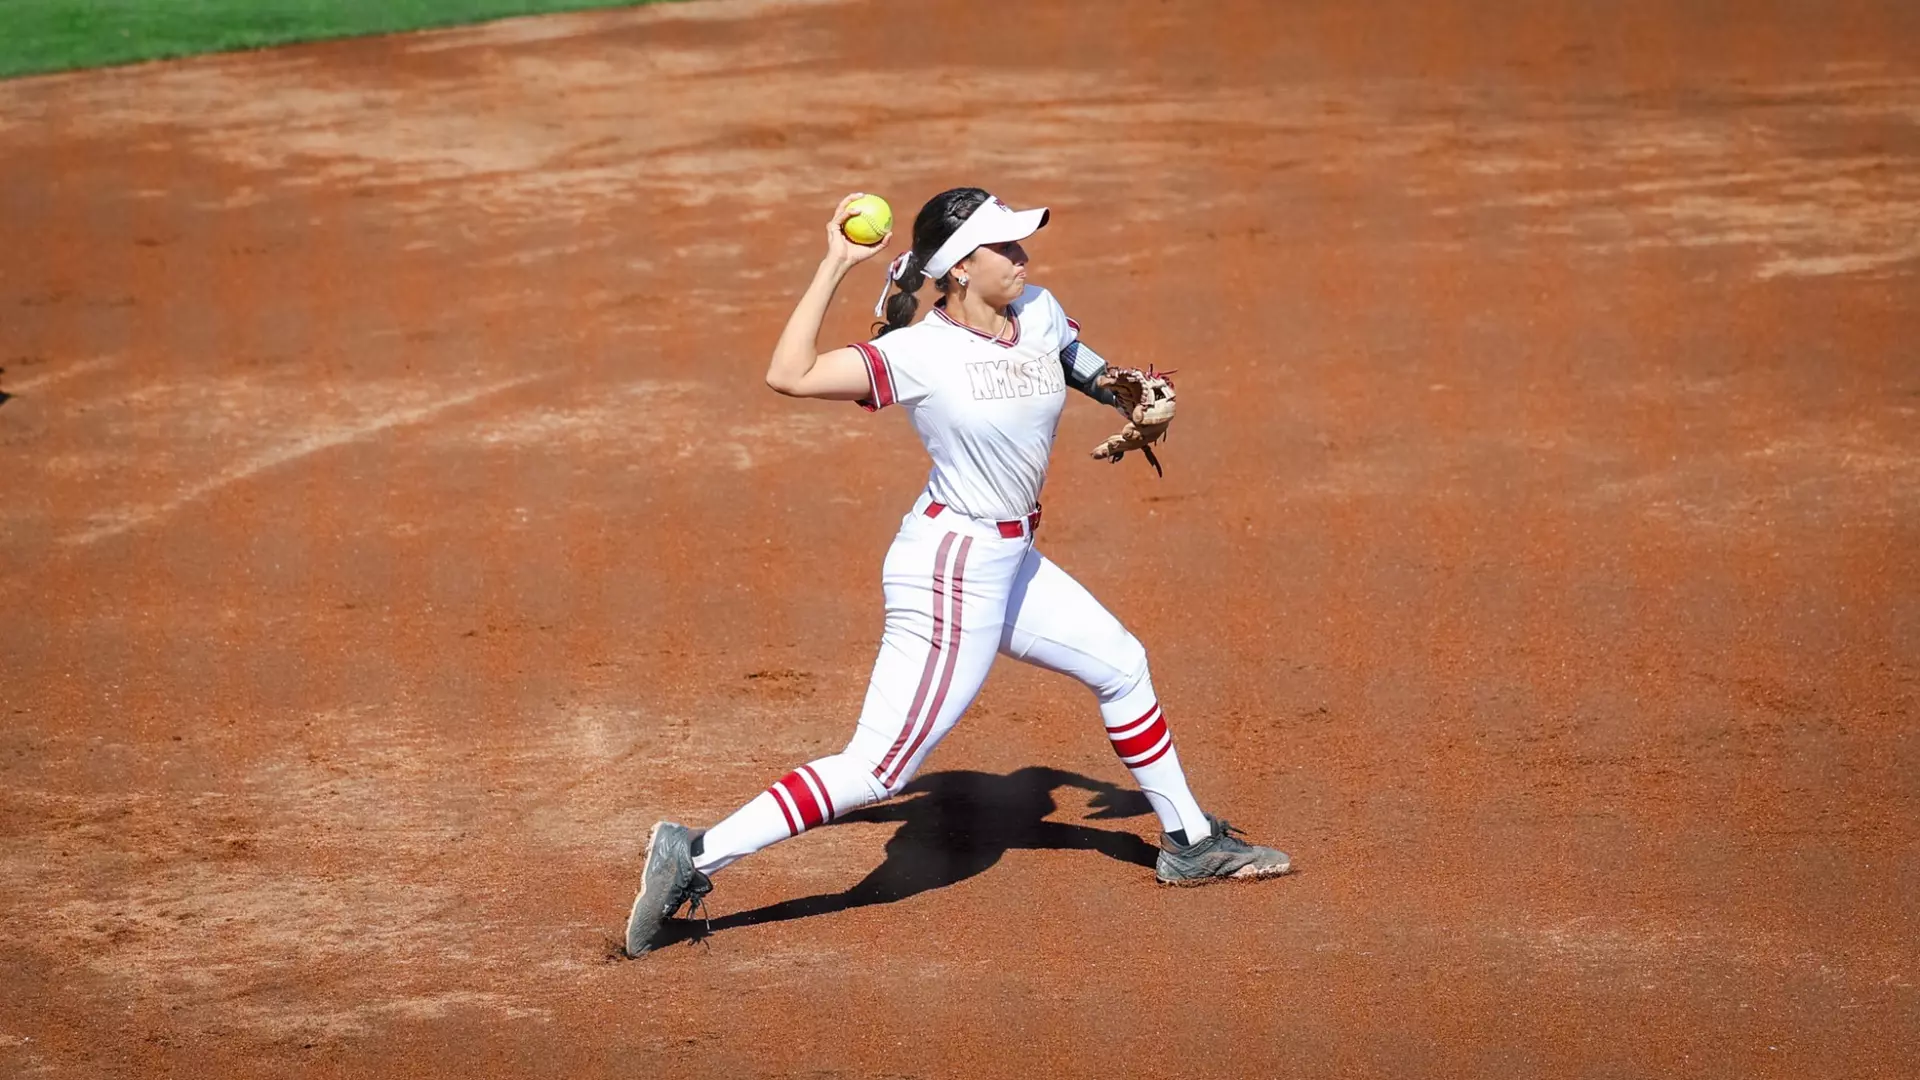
[396, 525]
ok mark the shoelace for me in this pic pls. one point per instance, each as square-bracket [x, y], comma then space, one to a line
[698, 886]
[1229, 836]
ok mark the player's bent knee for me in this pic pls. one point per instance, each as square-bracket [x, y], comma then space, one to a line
[1128, 672]
[859, 758]
[893, 783]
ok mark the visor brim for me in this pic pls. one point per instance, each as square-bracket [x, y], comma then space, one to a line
[993, 223]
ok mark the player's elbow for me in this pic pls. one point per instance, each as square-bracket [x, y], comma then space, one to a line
[787, 372]
[783, 384]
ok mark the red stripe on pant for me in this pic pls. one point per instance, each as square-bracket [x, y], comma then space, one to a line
[933, 655]
[953, 660]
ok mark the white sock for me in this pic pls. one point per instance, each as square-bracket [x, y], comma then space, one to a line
[812, 794]
[1140, 736]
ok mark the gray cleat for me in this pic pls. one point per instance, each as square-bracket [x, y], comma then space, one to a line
[667, 881]
[1221, 856]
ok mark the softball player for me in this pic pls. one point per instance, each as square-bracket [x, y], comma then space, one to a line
[983, 379]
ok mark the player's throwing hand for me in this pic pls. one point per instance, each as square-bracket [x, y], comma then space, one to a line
[842, 249]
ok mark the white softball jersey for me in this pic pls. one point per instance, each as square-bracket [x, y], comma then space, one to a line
[986, 408]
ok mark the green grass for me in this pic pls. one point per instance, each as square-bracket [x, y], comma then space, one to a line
[56, 35]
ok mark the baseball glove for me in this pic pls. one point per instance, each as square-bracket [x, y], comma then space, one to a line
[1145, 398]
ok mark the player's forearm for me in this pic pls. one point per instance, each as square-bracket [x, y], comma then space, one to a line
[798, 348]
[1082, 366]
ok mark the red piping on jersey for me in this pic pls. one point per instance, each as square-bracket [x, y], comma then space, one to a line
[1012, 323]
[879, 376]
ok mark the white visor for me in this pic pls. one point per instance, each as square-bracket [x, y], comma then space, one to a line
[993, 222]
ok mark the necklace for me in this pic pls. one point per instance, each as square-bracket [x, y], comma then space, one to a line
[1002, 322]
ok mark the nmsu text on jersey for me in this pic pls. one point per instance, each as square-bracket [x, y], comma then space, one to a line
[1015, 378]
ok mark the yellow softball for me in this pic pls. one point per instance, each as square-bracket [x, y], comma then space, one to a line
[871, 219]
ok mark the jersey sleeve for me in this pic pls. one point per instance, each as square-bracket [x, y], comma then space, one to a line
[1041, 313]
[1070, 331]
[892, 374]
[1079, 363]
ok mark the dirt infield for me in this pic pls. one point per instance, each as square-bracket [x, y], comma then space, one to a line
[395, 525]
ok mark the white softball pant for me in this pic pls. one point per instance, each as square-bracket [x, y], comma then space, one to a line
[959, 593]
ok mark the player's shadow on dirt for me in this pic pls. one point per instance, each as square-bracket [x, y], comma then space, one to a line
[958, 824]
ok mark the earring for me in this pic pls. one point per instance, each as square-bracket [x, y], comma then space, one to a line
[963, 283]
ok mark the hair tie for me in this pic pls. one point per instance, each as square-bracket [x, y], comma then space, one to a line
[895, 271]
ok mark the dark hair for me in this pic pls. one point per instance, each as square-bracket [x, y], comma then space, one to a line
[932, 226]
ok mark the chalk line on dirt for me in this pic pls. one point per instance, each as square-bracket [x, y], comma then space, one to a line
[48, 378]
[137, 516]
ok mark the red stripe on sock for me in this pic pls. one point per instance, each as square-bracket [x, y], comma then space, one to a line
[1141, 719]
[953, 660]
[822, 785]
[1143, 742]
[792, 829]
[1127, 731]
[803, 800]
[933, 655]
[1156, 757]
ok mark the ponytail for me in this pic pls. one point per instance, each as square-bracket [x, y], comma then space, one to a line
[902, 306]
[935, 223]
